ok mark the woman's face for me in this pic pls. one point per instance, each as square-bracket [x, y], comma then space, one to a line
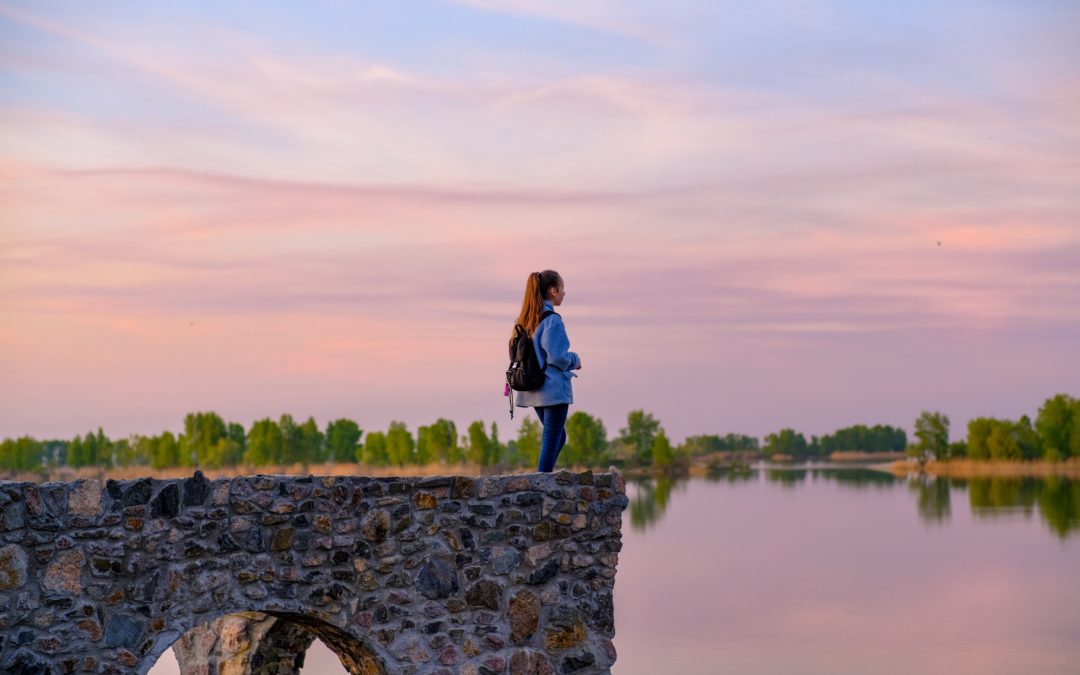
[556, 294]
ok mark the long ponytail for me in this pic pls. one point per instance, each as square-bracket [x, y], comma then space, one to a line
[532, 306]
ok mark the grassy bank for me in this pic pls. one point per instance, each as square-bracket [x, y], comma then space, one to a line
[967, 468]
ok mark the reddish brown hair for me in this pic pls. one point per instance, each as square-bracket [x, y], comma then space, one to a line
[532, 306]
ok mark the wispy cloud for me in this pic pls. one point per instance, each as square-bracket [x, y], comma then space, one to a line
[296, 220]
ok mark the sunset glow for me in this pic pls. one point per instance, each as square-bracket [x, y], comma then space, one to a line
[811, 215]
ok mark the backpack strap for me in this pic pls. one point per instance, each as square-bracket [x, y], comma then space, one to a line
[546, 314]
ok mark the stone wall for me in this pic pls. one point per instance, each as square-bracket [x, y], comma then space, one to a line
[397, 575]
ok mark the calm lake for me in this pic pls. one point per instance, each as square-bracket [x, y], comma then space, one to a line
[842, 571]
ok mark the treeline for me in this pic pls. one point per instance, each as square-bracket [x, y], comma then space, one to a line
[1053, 436]
[208, 441]
[858, 438]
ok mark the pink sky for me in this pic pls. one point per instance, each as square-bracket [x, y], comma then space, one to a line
[263, 225]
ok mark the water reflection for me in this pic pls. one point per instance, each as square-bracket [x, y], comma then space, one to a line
[651, 499]
[859, 478]
[730, 472]
[1056, 499]
[1059, 505]
[786, 478]
[995, 497]
[825, 570]
[934, 498]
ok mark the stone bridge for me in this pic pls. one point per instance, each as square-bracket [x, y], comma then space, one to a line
[502, 574]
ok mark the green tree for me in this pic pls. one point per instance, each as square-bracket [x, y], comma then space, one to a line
[787, 441]
[1058, 426]
[94, 449]
[123, 452]
[740, 442]
[291, 451]
[90, 450]
[202, 433]
[21, 454]
[238, 437]
[493, 454]
[478, 444]
[958, 449]
[710, 443]
[586, 440]
[374, 450]
[76, 454]
[443, 442]
[264, 443]
[29, 453]
[97, 448]
[310, 442]
[424, 452]
[1028, 439]
[226, 452]
[978, 439]
[932, 432]
[7, 455]
[342, 440]
[1002, 442]
[399, 444]
[528, 442]
[662, 453]
[639, 432]
[164, 450]
[703, 444]
[861, 438]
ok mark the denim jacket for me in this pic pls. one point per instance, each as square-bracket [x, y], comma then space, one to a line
[553, 351]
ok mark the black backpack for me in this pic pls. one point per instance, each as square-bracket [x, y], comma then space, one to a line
[524, 373]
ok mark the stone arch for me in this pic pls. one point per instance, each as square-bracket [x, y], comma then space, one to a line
[276, 630]
[268, 644]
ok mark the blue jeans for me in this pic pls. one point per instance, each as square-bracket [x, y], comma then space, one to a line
[553, 417]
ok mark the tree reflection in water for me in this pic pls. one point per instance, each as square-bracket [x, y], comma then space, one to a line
[858, 478]
[1059, 504]
[787, 478]
[731, 475]
[651, 499]
[934, 498]
[1057, 499]
[995, 497]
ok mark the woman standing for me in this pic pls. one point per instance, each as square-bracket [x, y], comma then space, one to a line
[544, 291]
